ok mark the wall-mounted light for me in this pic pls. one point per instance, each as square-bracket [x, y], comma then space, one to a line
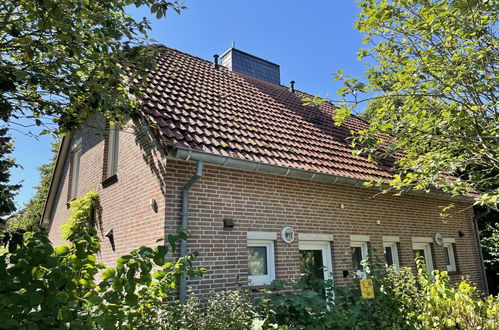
[228, 223]
[461, 234]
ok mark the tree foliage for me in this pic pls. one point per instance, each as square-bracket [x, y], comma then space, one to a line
[7, 190]
[29, 217]
[42, 287]
[65, 60]
[432, 71]
[489, 233]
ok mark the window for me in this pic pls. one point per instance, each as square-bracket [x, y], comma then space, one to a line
[112, 150]
[391, 251]
[423, 249]
[391, 255]
[260, 261]
[449, 257]
[359, 253]
[315, 263]
[75, 170]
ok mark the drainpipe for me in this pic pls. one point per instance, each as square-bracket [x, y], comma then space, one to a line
[185, 223]
[477, 234]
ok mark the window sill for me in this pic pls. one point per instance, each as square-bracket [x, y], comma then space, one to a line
[109, 181]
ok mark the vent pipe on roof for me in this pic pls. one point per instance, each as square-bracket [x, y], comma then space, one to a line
[215, 64]
[292, 87]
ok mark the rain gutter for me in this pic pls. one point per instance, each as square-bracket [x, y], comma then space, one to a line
[254, 166]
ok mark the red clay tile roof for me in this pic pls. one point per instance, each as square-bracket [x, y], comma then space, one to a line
[232, 114]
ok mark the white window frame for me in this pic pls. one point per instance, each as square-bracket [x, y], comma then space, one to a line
[391, 242]
[254, 280]
[360, 241]
[395, 254]
[325, 247]
[75, 172]
[450, 248]
[427, 251]
[112, 150]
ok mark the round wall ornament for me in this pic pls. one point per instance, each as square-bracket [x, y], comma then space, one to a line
[439, 239]
[288, 234]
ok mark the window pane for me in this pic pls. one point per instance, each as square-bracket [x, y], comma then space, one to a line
[389, 255]
[357, 258]
[311, 264]
[312, 269]
[257, 260]
[419, 253]
[447, 257]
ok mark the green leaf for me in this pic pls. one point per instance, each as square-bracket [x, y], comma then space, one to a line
[61, 250]
[109, 272]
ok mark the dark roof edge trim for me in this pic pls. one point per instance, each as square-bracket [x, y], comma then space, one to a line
[250, 165]
[55, 180]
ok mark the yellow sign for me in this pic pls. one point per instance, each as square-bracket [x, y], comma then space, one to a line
[367, 288]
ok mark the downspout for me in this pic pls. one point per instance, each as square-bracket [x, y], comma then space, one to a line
[185, 223]
[477, 234]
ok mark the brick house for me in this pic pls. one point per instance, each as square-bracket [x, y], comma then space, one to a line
[263, 183]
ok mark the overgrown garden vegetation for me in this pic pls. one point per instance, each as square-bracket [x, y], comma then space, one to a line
[46, 287]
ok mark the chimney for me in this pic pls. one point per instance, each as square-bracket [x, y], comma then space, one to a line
[215, 62]
[292, 86]
[240, 61]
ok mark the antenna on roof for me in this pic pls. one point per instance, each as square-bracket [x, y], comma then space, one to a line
[233, 44]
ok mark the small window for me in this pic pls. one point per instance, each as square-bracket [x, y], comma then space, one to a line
[391, 255]
[359, 254]
[75, 171]
[424, 250]
[260, 262]
[112, 150]
[449, 257]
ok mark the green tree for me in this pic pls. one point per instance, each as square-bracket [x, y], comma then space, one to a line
[489, 233]
[65, 60]
[46, 287]
[7, 190]
[432, 76]
[29, 217]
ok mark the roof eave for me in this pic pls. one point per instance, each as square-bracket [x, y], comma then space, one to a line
[254, 166]
[55, 180]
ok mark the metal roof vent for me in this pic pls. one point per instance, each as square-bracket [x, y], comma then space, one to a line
[239, 61]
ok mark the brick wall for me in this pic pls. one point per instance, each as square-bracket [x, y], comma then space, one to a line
[256, 202]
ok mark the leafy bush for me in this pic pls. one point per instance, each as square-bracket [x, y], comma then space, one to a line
[218, 310]
[403, 300]
[428, 303]
[43, 287]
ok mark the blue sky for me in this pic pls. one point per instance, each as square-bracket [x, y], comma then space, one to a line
[308, 39]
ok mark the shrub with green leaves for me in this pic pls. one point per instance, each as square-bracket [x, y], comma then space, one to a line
[42, 287]
[232, 309]
[403, 300]
[433, 303]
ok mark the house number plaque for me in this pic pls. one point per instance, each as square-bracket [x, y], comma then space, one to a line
[288, 234]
